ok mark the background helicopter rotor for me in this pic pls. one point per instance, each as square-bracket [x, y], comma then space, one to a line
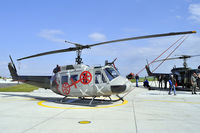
[79, 47]
[184, 57]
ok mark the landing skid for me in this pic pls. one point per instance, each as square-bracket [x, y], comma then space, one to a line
[92, 100]
[120, 98]
[63, 99]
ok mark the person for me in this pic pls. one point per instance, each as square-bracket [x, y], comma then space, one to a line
[165, 78]
[146, 83]
[198, 80]
[160, 79]
[57, 69]
[194, 83]
[137, 79]
[172, 82]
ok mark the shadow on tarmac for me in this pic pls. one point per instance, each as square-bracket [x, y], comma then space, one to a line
[67, 101]
[167, 89]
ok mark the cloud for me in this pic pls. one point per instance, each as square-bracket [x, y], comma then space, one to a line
[194, 10]
[97, 36]
[188, 0]
[3, 63]
[178, 17]
[52, 35]
[4, 69]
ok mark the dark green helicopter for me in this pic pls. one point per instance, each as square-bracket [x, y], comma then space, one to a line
[182, 74]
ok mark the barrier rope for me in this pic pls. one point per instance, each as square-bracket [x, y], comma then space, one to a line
[161, 54]
[170, 53]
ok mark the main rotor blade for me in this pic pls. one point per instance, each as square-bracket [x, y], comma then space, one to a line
[188, 56]
[168, 59]
[180, 57]
[194, 55]
[143, 37]
[80, 47]
[50, 52]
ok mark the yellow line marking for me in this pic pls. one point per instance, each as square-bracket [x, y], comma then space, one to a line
[172, 101]
[47, 106]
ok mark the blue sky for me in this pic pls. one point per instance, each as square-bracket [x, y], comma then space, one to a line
[30, 27]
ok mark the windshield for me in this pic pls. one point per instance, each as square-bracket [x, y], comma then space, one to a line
[111, 73]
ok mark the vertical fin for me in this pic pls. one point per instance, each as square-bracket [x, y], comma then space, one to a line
[12, 69]
[148, 70]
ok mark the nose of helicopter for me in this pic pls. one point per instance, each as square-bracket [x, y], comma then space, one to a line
[118, 88]
[120, 85]
[122, 88]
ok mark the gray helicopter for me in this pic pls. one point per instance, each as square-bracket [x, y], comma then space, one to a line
[81, 80]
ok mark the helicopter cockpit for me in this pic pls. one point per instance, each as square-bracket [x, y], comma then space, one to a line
[111, 73]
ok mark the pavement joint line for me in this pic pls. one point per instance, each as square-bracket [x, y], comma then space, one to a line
[134, 116]
[47, 106]
[43, 121]
[171, 101]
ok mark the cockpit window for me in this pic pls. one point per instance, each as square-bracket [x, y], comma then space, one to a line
[111, 73]
[74, 77]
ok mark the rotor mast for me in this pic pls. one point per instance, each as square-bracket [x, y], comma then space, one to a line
[78, 46]
[184, 62]
[78, 58]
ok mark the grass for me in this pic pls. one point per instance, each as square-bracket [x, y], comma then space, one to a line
[19, 88]
[142, 79]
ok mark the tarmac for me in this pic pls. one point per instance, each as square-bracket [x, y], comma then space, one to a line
[143, 111]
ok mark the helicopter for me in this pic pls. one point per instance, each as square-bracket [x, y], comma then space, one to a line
[182, 74]
[80, 80]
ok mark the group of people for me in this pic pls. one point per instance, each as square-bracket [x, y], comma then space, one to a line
[162, 78]
[195, 82]
[171, 80]
[172, 83]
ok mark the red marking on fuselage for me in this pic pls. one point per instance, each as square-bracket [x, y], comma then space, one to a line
[85, 78]
[66, 88]
[73, 83]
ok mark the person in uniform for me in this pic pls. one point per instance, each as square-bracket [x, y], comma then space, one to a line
[165, 78]
[160, 79]
[57, 69]
[198, 80]
[137, 79]
[146, 83]
[194, 82]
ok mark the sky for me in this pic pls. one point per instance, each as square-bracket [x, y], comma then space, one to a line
[35, 26]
